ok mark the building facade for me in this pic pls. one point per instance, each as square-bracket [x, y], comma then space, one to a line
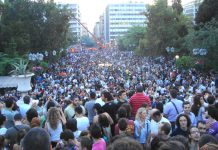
[190, 9]
[75, 26]
[118, 18]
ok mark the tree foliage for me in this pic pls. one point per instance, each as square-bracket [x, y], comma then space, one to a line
[185, 62]
[33, 26]
[132, 38]
[207, 11]
[166, 27]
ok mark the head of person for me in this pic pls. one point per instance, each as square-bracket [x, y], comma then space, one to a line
[122, 95]
[67, 137]
[92, 95]
[156, 115]
[125, 143]
[186, 107]
[71, 124]
[209, 146]
[18, 117]
[85, 143]
[103, 120]
[75, 100]
[159, 106]
[172, 145]
[30, 114]
[35, 122]
[211, 99]
[164, 128]
[106, 96]
[205, 139]
[97, 108]
[122, 113]
[26, 99]
[194, 134]
[9, 102]
[78, 110]
[50, 105]
[201, 125]
[53, 117]
[128, 109]
[183, 121]
[141, 114]
[35, 139]
[212, 112]
[122, 124]
[139, 89]
[95, 131]
[196, 100]
[173, 93]
[183, 140]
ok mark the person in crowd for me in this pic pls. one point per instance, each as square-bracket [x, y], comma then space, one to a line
[68, 142]
[35, 122]
[172, 145]
[8, 112]
[25, 106]
[205, 139]
[182, 139]
[142, 126]
[89, 106]
[194, 136]
[30, 114]
[2, 125]
[69, 111]
[54, 124]
[138, 99]
[82, 121]
[212, 124]
[164, 130]
[85, 144]
[19, 138]
[105, 127]
[183, 124]
[173, 108]
[35, 139]
[71, 124]
[187, 110]
[156, 120]
[12, 132]
[122, 98]
[198, 107]
[201, 125]
[122, 113]
[128, 109]
[125, 143]
[96, 134]
[99, 110]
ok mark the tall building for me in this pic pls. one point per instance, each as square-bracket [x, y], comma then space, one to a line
[97, 30]
[75, 27]
[118, 18]
[190, 9]
[84, 31]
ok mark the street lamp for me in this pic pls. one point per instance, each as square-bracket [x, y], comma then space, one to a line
[177, 56]
[34, 57]
[46, 53]
[54, 53]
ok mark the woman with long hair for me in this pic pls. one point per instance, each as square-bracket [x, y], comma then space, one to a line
[142, 126]
[54, 124]
[198, 107]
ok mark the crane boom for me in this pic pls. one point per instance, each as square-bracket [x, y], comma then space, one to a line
[94, 37]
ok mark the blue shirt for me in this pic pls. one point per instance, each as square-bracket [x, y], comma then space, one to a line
[145, 131]
[170, 111]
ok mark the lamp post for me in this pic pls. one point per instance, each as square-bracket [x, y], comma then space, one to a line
[170, 50]
[35, 57]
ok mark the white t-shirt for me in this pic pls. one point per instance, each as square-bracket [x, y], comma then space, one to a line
[155, 125]
[3, 131]
[82, 123]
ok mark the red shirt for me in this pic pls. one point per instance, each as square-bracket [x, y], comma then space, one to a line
[137, 100]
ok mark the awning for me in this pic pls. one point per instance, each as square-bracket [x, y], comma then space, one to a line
[8, 82]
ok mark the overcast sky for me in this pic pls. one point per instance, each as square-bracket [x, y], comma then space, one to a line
[92, 9]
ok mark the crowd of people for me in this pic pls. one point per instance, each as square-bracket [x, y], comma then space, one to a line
[112, 100]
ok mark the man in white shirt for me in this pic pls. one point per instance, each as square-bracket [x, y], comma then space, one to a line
[25, 106]
[156, 120]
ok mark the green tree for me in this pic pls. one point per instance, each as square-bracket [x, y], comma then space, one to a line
[207, 11]
[205, 37]
[166, 27]
[131, 39]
